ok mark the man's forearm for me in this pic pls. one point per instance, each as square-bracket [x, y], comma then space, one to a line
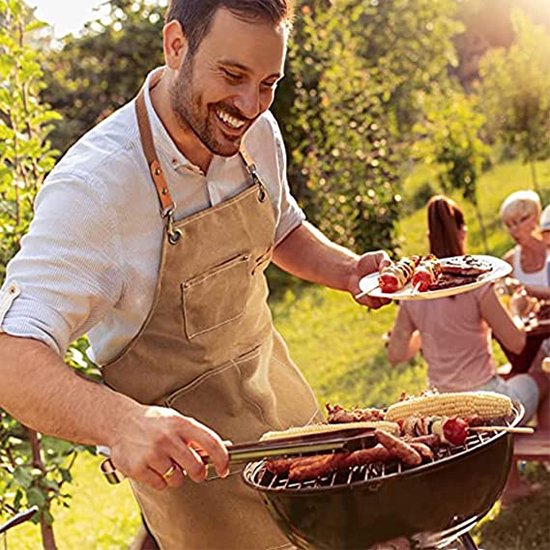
[46, 395]
[309, 255]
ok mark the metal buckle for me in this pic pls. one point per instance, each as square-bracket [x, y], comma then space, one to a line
[262, 193]
[174, 235]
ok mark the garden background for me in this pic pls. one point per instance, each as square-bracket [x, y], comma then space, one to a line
[384, 104]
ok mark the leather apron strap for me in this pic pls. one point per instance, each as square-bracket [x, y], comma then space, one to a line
[167, 203]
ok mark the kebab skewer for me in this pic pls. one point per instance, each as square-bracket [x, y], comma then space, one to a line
[396, 275]
[426, 273]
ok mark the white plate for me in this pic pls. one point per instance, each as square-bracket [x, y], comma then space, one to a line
[500, 268]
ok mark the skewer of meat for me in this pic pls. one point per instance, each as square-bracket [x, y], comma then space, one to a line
[452, 431]
[426, 273]
[340, 415]
[396, 275]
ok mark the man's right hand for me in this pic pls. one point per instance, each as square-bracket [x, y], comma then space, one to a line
[152, 441]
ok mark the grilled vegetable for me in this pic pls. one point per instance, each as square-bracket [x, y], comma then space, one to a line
[485, 405]
[300, 431]
[448, 430]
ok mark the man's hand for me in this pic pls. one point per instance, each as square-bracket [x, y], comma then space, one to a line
[368, 263]
[156, 445]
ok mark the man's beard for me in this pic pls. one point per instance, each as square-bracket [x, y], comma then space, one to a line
[186, 106]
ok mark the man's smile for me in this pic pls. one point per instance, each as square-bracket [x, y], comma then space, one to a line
[229, 120]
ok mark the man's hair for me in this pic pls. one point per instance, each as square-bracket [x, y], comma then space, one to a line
[195, 16]
[445, 220]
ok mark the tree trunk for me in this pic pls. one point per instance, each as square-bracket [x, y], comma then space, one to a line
[482, 227]
[534, 176]
[48, 538]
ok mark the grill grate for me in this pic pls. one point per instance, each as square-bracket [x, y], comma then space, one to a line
[258, 476]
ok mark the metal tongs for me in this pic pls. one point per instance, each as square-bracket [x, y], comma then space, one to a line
[341, 440]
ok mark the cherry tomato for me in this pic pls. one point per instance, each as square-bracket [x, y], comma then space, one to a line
[388, 282]
[455, 430]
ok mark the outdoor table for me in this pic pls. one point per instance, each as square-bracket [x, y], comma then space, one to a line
[537, 330]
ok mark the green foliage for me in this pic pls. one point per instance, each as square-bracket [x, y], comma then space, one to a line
[338, 139]
[95, 74]
[348, 105]
[25, 153]
[450, 137]
[514, 92]
[33, 469]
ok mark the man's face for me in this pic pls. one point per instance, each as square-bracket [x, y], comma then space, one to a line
[229, 81]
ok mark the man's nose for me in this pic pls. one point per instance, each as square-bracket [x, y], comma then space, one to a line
[248, 102]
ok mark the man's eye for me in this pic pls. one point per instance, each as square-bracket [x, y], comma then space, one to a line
[231, 76]
[269, 85]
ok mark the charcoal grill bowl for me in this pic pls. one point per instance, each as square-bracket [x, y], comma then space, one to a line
[428, 498]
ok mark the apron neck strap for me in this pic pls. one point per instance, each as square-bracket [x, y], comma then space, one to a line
[167, 203]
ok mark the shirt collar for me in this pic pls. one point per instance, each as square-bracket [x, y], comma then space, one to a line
[163, 142]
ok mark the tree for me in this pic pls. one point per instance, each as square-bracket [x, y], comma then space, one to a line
[450, 137]
[354, 73]
[98, 72]
[348, 104]
[33, 468]
[515, 93]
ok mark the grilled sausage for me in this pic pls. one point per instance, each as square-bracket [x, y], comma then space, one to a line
[399, 448]
[378, 453]
[316, 466]
[279, 466]
[422, 449]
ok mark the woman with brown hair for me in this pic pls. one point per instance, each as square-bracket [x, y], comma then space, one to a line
[454, 333]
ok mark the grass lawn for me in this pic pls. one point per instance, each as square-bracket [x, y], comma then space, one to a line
[340, 349]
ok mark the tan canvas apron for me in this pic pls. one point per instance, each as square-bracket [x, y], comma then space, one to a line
[208, 349]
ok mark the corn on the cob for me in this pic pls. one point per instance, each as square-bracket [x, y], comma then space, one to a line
[486, 405]
[300, 431]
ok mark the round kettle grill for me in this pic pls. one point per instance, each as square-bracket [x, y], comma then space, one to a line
[432, 504]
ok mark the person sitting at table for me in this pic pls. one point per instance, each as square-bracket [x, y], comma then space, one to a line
[520, 213]
[545, 233]
[454, 333]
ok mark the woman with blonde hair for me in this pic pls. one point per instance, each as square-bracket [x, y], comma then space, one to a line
[520, 213]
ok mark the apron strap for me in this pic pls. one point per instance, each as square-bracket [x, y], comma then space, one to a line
[253, 171]
[167, 204]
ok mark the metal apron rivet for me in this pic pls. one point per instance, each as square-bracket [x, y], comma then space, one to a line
[174, 236]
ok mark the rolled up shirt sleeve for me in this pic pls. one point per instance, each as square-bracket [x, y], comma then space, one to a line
[67, 274]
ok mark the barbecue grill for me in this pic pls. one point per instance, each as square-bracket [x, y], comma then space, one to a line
[432, 504]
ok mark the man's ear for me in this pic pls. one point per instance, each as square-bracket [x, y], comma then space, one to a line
[174, 44]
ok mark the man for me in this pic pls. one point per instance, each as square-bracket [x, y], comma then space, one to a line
[174, 302]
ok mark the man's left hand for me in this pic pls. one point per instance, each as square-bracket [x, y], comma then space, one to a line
[368, 263]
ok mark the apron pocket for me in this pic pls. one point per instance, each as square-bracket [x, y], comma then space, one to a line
[216, 297]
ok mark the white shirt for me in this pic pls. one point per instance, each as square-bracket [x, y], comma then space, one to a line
[535, 278]
[89, 263]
